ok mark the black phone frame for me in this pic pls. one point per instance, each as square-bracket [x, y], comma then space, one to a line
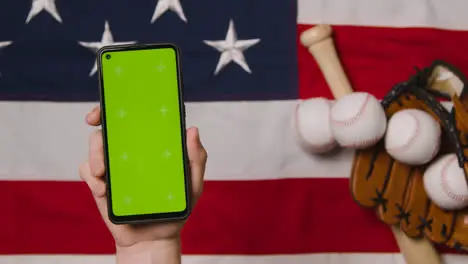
[156, 217]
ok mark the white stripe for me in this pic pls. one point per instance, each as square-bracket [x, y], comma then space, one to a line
[395, 13]
[244, 140]
[335, 258]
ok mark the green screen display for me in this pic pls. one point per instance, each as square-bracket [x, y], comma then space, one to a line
[144, 142]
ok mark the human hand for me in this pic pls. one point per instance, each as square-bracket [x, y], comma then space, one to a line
[131, 238]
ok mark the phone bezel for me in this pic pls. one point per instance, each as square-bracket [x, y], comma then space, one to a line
[156, 217]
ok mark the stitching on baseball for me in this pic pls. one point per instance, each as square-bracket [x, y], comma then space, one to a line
[329, 144]
[352, 120]
[444, 184]
[412, 138]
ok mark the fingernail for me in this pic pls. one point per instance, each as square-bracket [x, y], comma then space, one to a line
[198, 137]
[196, 131]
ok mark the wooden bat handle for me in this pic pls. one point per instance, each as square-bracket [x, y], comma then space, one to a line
[320, 44]
[416, 251]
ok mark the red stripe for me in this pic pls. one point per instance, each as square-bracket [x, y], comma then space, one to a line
[250, 217]
[376, 58]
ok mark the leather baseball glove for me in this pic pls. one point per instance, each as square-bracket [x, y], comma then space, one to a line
[395, 190]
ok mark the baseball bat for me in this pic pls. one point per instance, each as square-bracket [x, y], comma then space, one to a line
[320, 44]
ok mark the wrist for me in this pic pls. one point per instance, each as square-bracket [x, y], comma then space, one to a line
[150, 252]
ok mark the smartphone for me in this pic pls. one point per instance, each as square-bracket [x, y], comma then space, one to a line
[143, 125]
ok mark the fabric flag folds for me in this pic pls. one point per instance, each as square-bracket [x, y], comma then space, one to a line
[265, 201]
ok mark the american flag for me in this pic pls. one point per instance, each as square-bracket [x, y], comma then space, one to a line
[265, 201]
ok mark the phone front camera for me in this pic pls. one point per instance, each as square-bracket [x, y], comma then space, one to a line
[108, 56]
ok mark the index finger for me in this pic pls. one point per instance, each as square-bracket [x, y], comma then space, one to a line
[93, 118]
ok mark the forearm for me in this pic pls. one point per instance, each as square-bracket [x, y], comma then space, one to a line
[158, 252]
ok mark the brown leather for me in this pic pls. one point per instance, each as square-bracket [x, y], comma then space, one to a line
[395, 190]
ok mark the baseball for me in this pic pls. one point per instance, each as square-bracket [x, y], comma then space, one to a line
[313, 125]
[413, 137]
[358, 120]
[444, 182]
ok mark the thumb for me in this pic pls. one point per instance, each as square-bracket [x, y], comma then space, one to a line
[197, 157]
